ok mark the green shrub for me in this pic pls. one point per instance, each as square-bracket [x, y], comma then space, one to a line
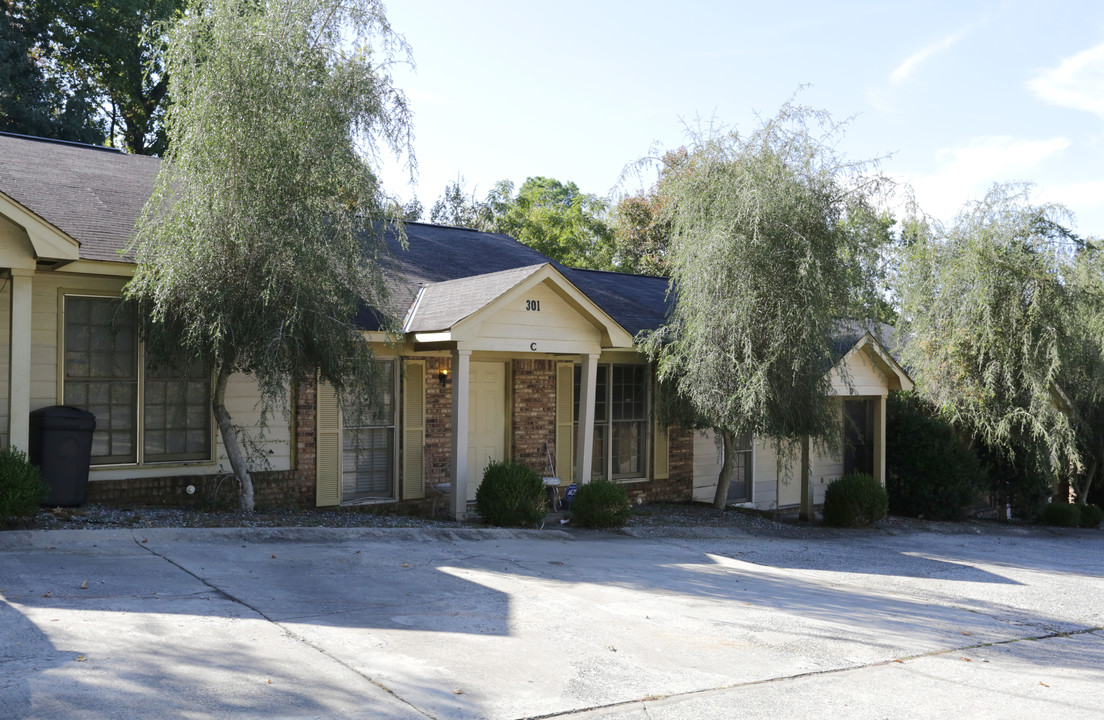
[1091, 516]
[1062, 514]
[1024, 483]
[930, 471]
[511, 495]
[855, 500]
[21, 488]
[600, 504]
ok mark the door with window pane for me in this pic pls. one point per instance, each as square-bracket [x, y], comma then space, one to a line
[368, 444]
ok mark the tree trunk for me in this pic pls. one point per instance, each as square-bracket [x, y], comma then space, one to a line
[230, 440]
[807, 512]
[1084, 484]
[728, 468]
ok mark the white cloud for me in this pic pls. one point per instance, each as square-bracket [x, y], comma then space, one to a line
[966, 172]
[905, 69]
[1077, 82]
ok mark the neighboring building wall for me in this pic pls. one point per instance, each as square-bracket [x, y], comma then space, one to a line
[5, 354]
[707, 465]
[438, 419]
[534, 413]
[770, 476]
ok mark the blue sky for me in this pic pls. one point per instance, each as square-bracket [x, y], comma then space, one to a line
[960, 94]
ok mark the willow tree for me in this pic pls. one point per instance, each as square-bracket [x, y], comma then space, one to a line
[264, 235]
[1003, 308]
[764, 238]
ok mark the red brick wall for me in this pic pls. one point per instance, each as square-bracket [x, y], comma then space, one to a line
[534, 413]
[678, 486]
[438, 428]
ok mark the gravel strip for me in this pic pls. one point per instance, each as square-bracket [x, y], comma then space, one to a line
[653, 520]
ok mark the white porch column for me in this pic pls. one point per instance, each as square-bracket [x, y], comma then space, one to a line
[461, 384]
[19, 361]
[879, 445]
[585, 441]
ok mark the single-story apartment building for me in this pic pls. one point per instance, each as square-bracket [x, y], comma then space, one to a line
[503, 354]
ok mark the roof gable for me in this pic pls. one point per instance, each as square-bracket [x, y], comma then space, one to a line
[507, 306]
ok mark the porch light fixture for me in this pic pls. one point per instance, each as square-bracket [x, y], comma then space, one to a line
[442, 377]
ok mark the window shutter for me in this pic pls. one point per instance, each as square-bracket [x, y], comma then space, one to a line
[328, 447]
[661, 448]
[565, 421]
[413, 466]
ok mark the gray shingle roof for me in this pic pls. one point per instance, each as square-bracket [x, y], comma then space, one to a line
[442, 305]
[93, 195]
[636, 302]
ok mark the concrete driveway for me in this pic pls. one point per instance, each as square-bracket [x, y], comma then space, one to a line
[317, 623]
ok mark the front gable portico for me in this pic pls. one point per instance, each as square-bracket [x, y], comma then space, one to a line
[526, 312]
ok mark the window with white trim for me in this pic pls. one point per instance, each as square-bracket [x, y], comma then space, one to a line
[620, 420]
[156, 415]
[368, 442]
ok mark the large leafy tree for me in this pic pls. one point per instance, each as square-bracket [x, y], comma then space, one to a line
[1003, 311]
[555, 218]
[641, 225]
[264, 234]
[551, 216]
[764, 239]
[35, 100]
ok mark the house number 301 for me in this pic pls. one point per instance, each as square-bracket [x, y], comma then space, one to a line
[532, 305]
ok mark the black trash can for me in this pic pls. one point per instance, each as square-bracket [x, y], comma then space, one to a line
[61, 446]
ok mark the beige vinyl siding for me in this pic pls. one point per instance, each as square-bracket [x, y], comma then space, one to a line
[865, 377]
[707, 466]
[241, 402]
[823, 469]
[5, 354]
[555, 322]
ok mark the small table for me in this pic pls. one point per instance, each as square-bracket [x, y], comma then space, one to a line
[553, 483]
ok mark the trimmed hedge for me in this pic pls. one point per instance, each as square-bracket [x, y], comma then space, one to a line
[1091, 516]
[21, 488]
[930, 471]
[1062, 515]
[855, 500]
[600, 504]
[511, 495]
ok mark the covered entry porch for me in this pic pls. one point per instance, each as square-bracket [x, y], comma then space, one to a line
[511, 341]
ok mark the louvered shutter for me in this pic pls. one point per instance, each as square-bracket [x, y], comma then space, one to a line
[413, 467]
[661, 467]
[565, 422]
[328, 447]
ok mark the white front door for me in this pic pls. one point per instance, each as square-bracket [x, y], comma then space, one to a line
[486, 420]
